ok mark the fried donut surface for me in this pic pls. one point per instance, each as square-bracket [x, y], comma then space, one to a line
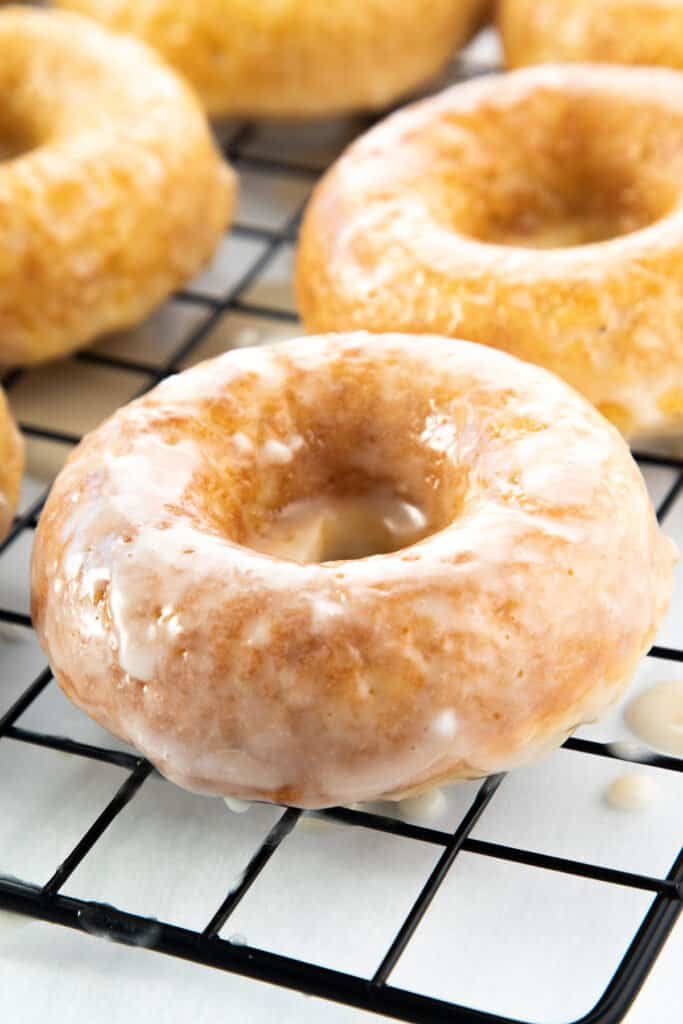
[112, 193]
[297, 58]
[610, 31]
[11, 465]
[540, 211]
[521, 612]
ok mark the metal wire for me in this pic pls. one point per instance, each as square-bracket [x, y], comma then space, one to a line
[204, 946]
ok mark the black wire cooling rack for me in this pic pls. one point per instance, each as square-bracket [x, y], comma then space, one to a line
[47, 901]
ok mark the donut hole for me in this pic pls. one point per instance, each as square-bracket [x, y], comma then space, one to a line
[340, 471]
[551, 171]
[323, 507]
[580, 208]
[341, 458]
[333, 527]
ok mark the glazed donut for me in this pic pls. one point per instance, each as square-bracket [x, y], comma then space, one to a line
[539, 211]
[610, 31]
[538, 579]
[297, 58]
[11, 465]
[111, 191]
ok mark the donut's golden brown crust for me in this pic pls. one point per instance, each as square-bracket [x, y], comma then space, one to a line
[111, 194]
[539, 211]
[11, 465]
[607, 31]
[297, 57]
[487, 642]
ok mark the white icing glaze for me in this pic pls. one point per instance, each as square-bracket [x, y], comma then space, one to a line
[259, 634]
[235, 805]
[244, 362]
[314, 822]
[276, 452]
[427, 807]
[632, 792]
[629, 751]
[236, 671]
[404, 520]
[242, 443]
[446, 723]
[656, 717]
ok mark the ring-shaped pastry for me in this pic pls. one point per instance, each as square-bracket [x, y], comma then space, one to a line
[538, 578]
[112, 193]
[539, 211]
[609, 32]
[11, 465]
[297, 58]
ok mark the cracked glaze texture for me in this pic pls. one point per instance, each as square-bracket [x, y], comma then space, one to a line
[297, 57]
[523, 614]
[434, 221]
[609, 31]
[111, 190]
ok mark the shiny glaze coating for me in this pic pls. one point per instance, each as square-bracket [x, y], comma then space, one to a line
[521, 615]
[112, 193]
[539, 211]
[608, 31]
[297, 58]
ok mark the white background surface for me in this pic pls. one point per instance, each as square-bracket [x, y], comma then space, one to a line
[500, 936]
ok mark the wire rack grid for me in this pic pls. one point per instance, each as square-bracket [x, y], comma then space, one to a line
[259, 303]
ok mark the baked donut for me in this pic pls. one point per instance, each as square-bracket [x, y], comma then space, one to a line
[537, 579]
[297, 58]
[609, 31]
[540, 211]
[11, 465]
[111, 191]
